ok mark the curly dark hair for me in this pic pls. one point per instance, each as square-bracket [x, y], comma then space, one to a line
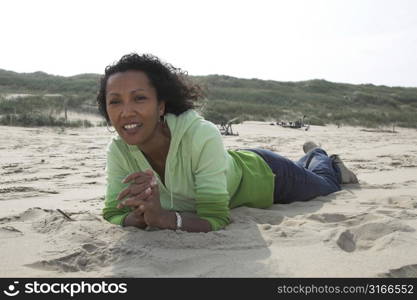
[172, 84]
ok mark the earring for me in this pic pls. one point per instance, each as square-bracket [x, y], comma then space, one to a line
[162, 119]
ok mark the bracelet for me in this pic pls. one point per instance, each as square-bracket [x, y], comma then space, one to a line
[179, 221]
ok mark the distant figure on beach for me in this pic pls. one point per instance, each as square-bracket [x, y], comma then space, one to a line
[168, 167]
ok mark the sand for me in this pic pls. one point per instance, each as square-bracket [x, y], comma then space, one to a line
[365, 230]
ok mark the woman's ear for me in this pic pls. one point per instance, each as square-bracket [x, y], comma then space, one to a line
[161, 108]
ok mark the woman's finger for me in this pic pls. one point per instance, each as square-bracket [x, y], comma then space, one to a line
[141, 208]
[136, 189]
[131, 177]
[135, 200]
[141, 205]
[135, 176]
[143, 178]
[153, 182]
[138, 193]
[123, 193]
[155, 189]
[131, 202]
[139, 212]
[143, 195]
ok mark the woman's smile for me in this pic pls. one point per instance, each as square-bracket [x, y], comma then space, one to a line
[132, 128]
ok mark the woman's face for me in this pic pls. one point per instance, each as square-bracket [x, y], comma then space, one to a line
[133, 107]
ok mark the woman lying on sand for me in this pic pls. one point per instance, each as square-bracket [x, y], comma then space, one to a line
[168, 167]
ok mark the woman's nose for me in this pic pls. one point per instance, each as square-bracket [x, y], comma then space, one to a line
[127, 110]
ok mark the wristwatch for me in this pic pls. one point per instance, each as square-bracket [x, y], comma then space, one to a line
[179, 221]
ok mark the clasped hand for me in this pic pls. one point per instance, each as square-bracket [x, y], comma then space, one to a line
[143, 197]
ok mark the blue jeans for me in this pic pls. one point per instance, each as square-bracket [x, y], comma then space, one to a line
[312, 175]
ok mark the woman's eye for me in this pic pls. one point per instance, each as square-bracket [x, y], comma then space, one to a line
[114, 101]
[140, 98]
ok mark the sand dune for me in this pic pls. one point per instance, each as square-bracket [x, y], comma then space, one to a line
[364, 230]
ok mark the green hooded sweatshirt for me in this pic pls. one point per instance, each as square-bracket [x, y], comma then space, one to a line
[200, 175]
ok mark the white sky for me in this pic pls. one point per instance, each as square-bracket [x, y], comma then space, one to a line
[353, 41]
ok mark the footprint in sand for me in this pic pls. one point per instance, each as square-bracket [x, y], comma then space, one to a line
[31, 214]
[259, 216]
[89, 257]
[346, 241]
[89, 247]
[368, 235]
[74, 262]
[328, 218]
[409, 271]
[346, 219]
[9, 231]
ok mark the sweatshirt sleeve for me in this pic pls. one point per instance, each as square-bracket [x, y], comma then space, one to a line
[115, 173]
[209, 167]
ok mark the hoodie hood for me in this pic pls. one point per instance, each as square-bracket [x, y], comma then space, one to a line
[178, 125]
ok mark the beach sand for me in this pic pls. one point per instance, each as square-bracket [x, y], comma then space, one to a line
[365, 230]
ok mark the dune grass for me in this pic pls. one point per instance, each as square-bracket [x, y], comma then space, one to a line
[226, 98]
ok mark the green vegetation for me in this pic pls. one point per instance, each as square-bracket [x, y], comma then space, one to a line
[29, 120]
[227, 98]
[321, 101]
[49, 97]
[41, 111]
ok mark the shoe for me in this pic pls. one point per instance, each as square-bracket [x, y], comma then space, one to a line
[308, 146]
[347, 176]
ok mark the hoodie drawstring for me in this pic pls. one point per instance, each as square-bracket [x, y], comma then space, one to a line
[170, 190]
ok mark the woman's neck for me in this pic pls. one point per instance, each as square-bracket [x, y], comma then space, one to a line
[156, 150]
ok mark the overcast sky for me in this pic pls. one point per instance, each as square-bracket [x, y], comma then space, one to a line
[355, 41]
